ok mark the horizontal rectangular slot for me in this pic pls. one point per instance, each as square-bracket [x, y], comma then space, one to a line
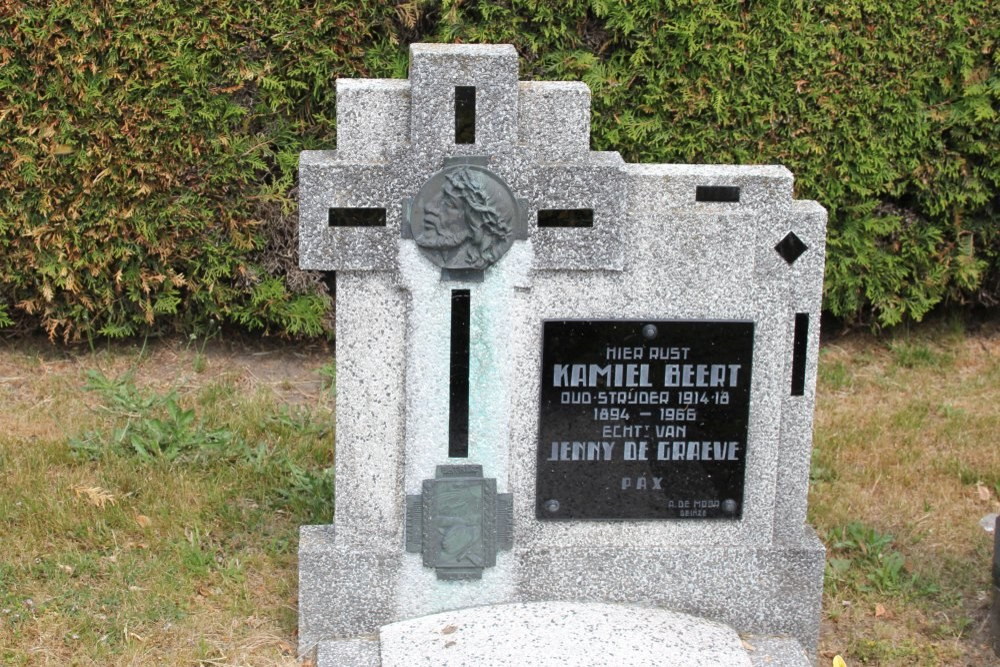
[357, 217]
[799, 342]
[723, 193]
[566, 217]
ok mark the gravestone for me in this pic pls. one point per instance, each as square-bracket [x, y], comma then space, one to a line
[562, 378]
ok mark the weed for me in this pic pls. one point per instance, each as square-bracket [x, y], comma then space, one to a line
[919, 355]
[132, 547]
[948, 411]
[151, 427]
[818, 472]
[962, 471]
[887, 575]
[882, 651]
[834, 375]
[855, 536]
[195, 554]
[147, 425]
[308, 493]
[200, 363]
[954, 628]
[296, 420]
[953, 327]
[970, 476]
[328, 373]
[912, 416]
[864, 560]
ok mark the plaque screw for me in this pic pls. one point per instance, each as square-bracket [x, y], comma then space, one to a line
[552, 506]
[649, 331]
[729, 506]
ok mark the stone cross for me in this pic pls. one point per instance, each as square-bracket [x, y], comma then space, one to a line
[482, 254]
[393, 137]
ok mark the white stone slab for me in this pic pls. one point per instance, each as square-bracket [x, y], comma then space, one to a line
[541, 634]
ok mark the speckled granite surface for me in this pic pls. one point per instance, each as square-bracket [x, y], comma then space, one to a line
[653, 252]
[553, 634]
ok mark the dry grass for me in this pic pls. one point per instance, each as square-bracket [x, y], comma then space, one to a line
[124, 561]
[121, 561]
[906, 449]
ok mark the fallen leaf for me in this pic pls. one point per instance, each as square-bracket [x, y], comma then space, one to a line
[143, 520]
[983, 491]
[66, 568]
[879, 610]
[748, 646]
[449, 644]
[448, 629]
[838, 661]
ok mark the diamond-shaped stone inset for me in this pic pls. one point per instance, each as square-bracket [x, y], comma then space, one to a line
[791, 248]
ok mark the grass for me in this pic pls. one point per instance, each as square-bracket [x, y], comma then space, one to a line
[905, 464]
[150, 498]
[150, 509]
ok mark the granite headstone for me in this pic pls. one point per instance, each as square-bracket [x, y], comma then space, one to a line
[562, 378]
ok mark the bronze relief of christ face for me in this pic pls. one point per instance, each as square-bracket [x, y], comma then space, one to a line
[463, 217]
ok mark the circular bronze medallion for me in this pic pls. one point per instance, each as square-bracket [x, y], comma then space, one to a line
[463, 217]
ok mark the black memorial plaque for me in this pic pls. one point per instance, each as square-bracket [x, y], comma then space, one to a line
[643, 419]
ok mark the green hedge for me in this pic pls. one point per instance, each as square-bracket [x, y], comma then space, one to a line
[148, 149]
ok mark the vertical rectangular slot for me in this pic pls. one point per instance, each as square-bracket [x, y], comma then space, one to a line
[465, 114]
[799, 342]
[458, 408]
